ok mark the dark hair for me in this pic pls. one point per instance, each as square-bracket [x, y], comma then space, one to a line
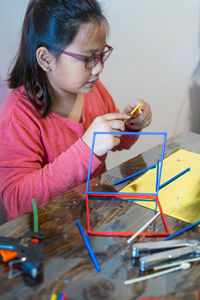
[54, 25]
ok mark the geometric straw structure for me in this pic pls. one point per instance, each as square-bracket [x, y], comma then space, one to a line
[119, 196]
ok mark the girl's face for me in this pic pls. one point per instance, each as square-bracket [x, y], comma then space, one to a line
[68, 74]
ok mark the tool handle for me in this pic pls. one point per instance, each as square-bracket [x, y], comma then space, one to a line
[149, 261]
[141, 248]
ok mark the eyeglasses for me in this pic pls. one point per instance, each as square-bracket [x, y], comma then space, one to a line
[92, 61]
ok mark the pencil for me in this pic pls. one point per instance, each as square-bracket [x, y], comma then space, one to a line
[133, 175]
[181, 231]
[173, 178]
[133, 237]
[92, 255]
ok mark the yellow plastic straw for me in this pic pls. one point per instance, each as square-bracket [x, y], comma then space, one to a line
[134, 110]
[53, 297]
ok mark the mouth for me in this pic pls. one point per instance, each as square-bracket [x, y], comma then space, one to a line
[91, 83]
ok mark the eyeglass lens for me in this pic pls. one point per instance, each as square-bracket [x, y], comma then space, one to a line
[93, 61]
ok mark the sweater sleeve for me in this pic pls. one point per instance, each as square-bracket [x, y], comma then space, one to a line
[24, 174]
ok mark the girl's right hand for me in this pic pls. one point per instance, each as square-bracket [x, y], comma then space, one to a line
[107, 123]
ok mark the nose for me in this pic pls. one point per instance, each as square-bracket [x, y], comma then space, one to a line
[98, 68]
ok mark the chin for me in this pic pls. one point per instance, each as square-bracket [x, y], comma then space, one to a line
[88, 89]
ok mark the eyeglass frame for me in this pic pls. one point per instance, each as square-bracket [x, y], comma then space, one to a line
[99, 57]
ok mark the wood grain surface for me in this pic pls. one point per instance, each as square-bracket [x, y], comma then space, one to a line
[65, 254]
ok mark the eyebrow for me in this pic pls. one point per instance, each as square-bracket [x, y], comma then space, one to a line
[91, 51]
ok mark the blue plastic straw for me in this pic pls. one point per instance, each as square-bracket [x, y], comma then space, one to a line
[133, 175]
[173, 178]
[62, 296]
[161, 161]
[93, 257]
[125, 133]
[157, 176]
[181, 231]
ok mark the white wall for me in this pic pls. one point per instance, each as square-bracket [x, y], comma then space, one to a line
[156, 50]
[11, 19]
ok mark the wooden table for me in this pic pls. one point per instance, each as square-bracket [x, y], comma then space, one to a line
[65, 254]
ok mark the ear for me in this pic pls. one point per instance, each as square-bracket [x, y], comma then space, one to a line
[45, 59]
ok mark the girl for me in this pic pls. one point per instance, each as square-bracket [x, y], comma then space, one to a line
[56, 103]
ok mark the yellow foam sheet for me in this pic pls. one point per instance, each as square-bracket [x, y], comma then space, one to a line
[180, 198]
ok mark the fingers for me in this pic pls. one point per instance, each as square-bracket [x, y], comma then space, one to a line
[107, 123]
[111, 122]
[135, 108]
[146, 116]
[116, 116]
[117, 125]
[137, 122]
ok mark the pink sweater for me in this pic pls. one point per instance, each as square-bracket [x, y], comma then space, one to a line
[42, 158]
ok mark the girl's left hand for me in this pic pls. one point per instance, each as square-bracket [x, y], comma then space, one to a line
[138, 121]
